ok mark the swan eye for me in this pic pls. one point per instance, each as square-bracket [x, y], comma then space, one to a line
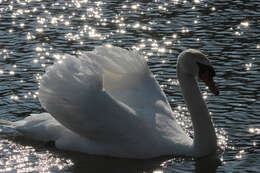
[203, 68]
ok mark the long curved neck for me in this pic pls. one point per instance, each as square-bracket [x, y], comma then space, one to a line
[204, 133]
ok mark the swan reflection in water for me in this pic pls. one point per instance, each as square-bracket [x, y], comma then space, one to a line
[98, 164]
[82, 162]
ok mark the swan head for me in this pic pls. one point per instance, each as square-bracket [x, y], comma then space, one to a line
[194, 63]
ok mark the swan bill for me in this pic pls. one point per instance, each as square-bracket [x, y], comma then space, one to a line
[212, 86]
[208, 79]
[206, 74]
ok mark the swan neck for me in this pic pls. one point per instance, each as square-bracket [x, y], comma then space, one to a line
[204, 133]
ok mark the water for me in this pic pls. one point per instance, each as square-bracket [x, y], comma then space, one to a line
[35, 33]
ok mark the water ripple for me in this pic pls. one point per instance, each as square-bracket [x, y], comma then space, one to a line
[35, 33]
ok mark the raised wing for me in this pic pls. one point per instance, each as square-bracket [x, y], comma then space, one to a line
[106, 94]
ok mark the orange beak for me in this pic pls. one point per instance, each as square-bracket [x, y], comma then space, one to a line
[210, 83]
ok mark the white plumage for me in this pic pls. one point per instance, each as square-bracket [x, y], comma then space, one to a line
[106, 102]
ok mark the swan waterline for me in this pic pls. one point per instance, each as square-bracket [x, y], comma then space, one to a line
[107, 102]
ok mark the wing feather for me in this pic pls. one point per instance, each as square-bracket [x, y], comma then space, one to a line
[103, 94]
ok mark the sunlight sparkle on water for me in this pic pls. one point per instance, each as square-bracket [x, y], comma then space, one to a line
[39, 30]
[136, 25]
[205, 95]
[185, 30]
[35, 61]
[248, 66]
[175, 1]
[30, 36]
[237, 33]
[158, 171]
[254, 130]
[168, 42]
[240, 154]
[174, 36]
[21, 157]
[74, 23]
[14, 97]
[38, 49]
[11, 72]
[54, 20]
[162, 8]
[66, 23]
[136, 6]
[161, 50]
[245, 24]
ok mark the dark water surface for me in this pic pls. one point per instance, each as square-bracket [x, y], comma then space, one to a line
[34, 33]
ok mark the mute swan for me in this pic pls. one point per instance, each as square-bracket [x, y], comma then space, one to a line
[107, 102]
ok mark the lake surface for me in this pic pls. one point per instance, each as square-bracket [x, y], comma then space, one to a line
[35, 33]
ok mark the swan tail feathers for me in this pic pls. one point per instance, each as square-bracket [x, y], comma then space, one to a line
[41, 127]
[8, 124]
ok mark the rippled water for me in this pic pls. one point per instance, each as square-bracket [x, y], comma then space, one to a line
[34, 34]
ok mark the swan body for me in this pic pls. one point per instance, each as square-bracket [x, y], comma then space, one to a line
[107, 102]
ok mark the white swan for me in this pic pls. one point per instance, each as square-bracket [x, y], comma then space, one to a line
[107, 102]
